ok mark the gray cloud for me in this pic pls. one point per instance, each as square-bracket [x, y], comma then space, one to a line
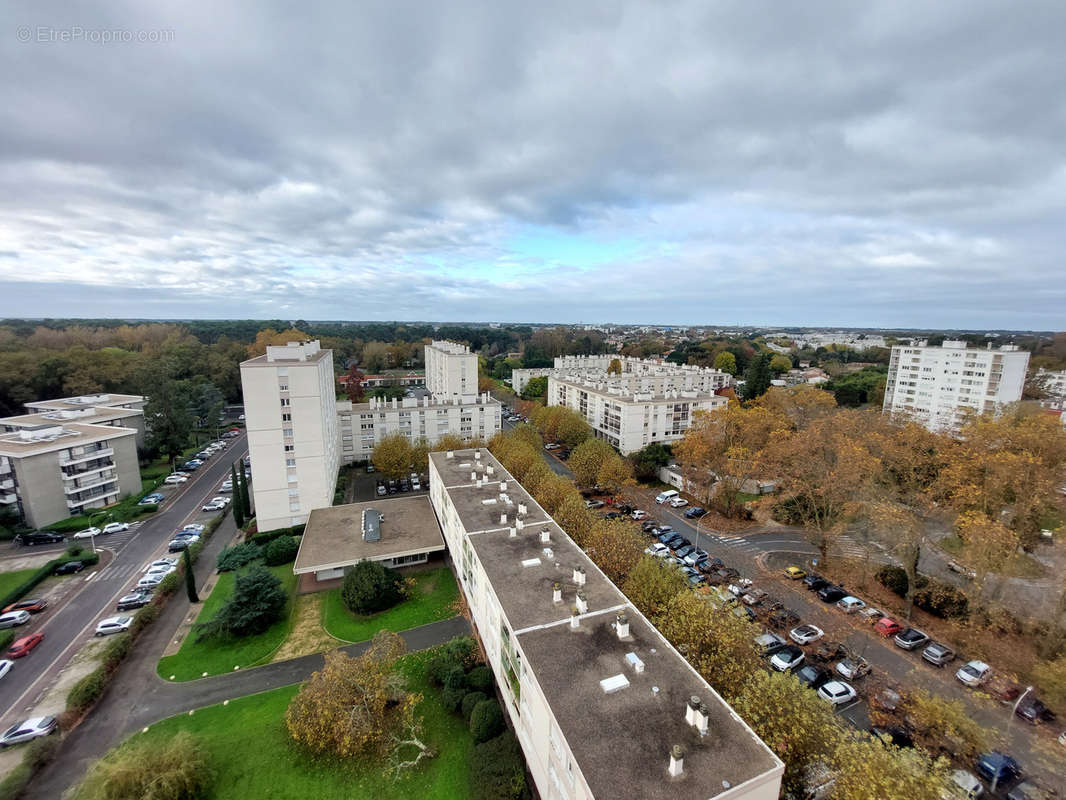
[880, 163]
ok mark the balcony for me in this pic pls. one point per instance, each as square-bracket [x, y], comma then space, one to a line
[7, 498]
[7, 484]
[73, 476]
[75, 505]
[101, 481]
[103, 452]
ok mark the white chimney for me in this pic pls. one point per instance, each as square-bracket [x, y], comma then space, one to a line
[557, 592]
[491, 470]
[703, 718]
[691, 708]
[677, 761]
[545, 536]
[449, 454]
[473, 476]
[503, 519]
[582, 603]
[503, 486]
[519, 524]
[579, 576]
[522, 509]
[512, 532]
[477, 455]
[621, 626]
[575, 620]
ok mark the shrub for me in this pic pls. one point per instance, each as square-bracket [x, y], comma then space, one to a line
[168, 585]
[470, 700]
[452, 698]
[177, 770]
[497, 770]
[6, 638]
[258, 601]
[462, 650]
[455, 678]
[40, 752]
[480, 679]
[16, 781]
[86, 691]
[894, 579]
[117, 649]
[486, 721]
[370, 587]
[942, 600]
[75, 550]
[238, 556]
[280, 551]
[144, 617]
[436, 668]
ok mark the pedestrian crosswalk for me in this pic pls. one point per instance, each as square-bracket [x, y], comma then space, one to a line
[120, 571]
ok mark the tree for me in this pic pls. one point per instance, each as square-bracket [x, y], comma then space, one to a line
[258, 601]
[726, 362]
[800, 405]
[651, 585]
[572, 516]
[177, 769]
[615, 472]
[166, 412]
[353, 385]
[190, 578]
[648, 460]
[359, 707]
[375, 356]
[486, 721]
[246, 497]
[1050, 676]
[588, 458]
[392, 455]
[237, 504]
[551, 491]
[864, 768]
[420, 455]
[535, 389]
[780, 363]
[937, 724]
[615, 548]
[615, 367]
[370, 587]
[572, 429]
[756, 377]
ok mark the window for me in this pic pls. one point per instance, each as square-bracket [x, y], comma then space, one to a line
[284, 401]
[290, 462]
[286, 417]
[289, 448]
[287, 432]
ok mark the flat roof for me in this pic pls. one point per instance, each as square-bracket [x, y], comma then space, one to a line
[58, 436]
[620, 740]
[631, 395]
[86, 416]
[87, 401]
[333, 537]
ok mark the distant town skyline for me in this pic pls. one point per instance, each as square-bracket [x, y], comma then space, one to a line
[830, 164]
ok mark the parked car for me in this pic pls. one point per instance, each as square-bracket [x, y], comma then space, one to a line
[787, 658]
[853, 668]
[679, 502]
[1031, 709]
[694, 558]
[69, 568]
[967, 784]
[999, 767]
[795, 573]
[116, 527]
[162, 571]
[381, 490]
[827, 651]
[886, 626]
[1027, 790]
[837, 692]
[766, 644]
[176, 478]
[683, 551]
[134, 600]
[806, 634]
[938, 654]
[871, 615]
[113, 625]
[5, 666]
[40, 537]
[910, 638]
[695, 512]
[87, 533]
[12, 619]
[974, 673]
[753, 597]
[849, 604]
[155, 498]
[812, 677]
[150, 580]
[179, 543]
[659, 550]
[551, 446]
[783, 617]
[34, 605]
[29, 729]
[830, 594]
[216, 504]
[22, 647]
[227, 487]
[639, 515]
[815, 582]
[163, 562]
[194, 527]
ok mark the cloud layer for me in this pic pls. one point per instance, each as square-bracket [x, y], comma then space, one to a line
[831, 163]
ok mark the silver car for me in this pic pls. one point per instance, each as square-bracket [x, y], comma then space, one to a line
[938, 654]
[13, 619]
[30, 729]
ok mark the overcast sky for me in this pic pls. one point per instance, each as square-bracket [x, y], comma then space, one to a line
[853, 163]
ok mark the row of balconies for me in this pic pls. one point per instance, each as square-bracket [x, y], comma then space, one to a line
[103, 452]
[100, 481]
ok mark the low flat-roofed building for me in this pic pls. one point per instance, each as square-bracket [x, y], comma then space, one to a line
[341, 536]
[87, 401]
[597, 696]
[115, 416]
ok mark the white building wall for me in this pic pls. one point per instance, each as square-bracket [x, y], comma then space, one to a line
[451, 369]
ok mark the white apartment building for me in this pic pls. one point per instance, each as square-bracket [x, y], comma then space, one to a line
[933, 385]
[680, 377]
[290, 406]
[451, 370]
[602, 704]
[632, 412]
[363, 425]
[117, 410]
[1054, 386]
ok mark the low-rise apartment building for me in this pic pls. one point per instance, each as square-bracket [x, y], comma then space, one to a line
[601, 703]
[935, 385]
[114, 416]
[1053, 385]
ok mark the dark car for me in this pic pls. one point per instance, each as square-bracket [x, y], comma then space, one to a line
[134, 600]
[1034, 712]
[40, 537]
[189, 466]
[999, 767]
[613, 515]
[649, 526]
[830, 594]
[894, 735]
[827, 651]
[681, 552]
[783, 618]
[910, 638]
[178, 544]
[813, 677]
[815, 582]
[626, 509]
[69, 568]
[671, 539]
[1027, 790]
[695, 512]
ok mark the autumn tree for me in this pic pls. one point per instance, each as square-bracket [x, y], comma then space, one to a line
[392, 455]
[572, 516]
[177, 768]
[939, 724]
[651, 584]
[375, 356]
[572, 429]
[615, 473]
[615, 367]
[420, 455]
[726, 362]
[615, 547]
[780, 363]
[353, 385]
[449, 441]
[800, 405]
[988, 544]
[552, 490]
[588, 459]
[1050, 676]
[865, 768]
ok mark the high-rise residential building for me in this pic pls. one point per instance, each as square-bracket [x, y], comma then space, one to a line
[451, 370]
[934, 385]
[290, 407]
[601, 703]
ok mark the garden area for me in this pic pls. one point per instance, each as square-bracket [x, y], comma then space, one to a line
[12, 580]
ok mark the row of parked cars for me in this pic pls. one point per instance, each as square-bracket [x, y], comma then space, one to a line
[412, 483]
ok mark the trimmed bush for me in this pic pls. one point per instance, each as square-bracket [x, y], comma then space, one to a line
[370, 587]
[262, 537]
[41, 751]
[455, 678]
[452, 699]
[86, 691]
[168, 585]
[894, 579]
[280, 551]
[144, 617]
[15, 782]
[498, 770]
[238, 556]
[436, 668]
[480, 679]
[942, 600]
[486, 721]
[117, 649]
[470, 700]
[6, 638]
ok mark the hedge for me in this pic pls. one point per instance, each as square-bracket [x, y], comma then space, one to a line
[937, 597]
[88, 690]
[43, 572]
[7, 636]
[262, 537]
[498, 770]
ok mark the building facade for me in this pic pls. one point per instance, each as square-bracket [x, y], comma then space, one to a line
[1053, 385]
[290, 407]
[451, 370]
[602, 705]
[935, 386]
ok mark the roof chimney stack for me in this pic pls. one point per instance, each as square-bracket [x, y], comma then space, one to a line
[557, 592]
[522, 509]
[582, 603]
[503, 486]
[677, 761]
[503, 519]
[575, 620]
[621, 625]
[512, 532]
[545, 535]
[579, 575]
[473, 475]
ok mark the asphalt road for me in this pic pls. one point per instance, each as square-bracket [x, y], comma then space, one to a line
[67, 627]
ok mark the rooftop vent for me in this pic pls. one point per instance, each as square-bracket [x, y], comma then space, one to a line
[477, 454]
[677, 761]
[621, 626]
[545, 535]
[557, 592]
[473, 477]
[512, 532]
[575, 620]
[531, 562]
[522, 509]
[582, 603]
[519, 524]
[372, 525]
[503, 486]
[548, 554]
[490, 470]
[503, 517]
[579, 575]
[697, 715]
[614, 684]
[634, 661]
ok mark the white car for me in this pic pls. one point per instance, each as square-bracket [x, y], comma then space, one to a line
[968, 784]
[12, 619]
[638, 515]
[194, 527]
[88, 533]
[216, 504]
[679, 502]
[162, 562]
[161, 571]
[116, 527]
[974, 673]
[787, 658]
[805, 634]
[849, 604]
[5, 666]
[226, 487]
[837, 693]
[113, 625]
[174, 479]
[150, 581]
[30, 729]
[659, 550]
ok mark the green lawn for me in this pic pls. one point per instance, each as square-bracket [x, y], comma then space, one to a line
[215, 656]
[252, 756]
[434, 596]
[12, 580]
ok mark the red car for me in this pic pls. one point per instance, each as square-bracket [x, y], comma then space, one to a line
[886, 626]
[22, 647]
[34, 606]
